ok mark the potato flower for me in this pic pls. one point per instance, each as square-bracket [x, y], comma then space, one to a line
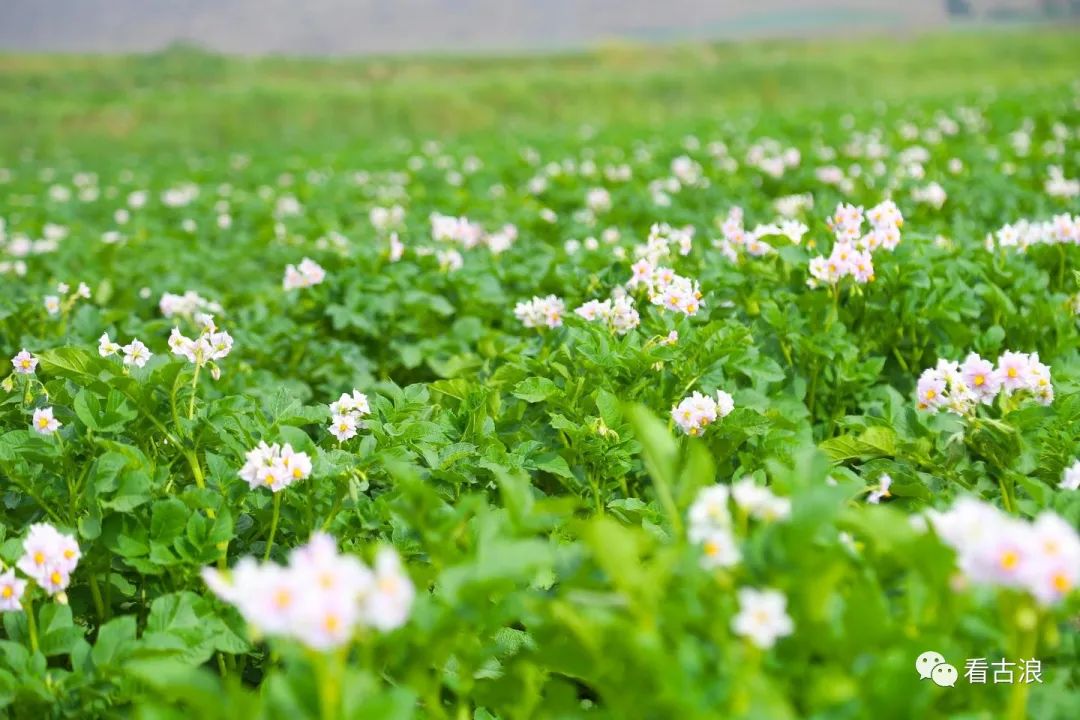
[321, 598]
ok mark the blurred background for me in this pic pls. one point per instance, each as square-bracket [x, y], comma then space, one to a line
[350, 27]
[96, 76]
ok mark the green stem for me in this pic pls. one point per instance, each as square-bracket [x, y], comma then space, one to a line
[31, 623]
[1005, 499]
[273, 525]
[194, 385]
[196, 469]
[328, 671]
[1018, 695]
[95, 592]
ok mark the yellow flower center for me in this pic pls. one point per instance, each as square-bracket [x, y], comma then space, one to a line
[979, 380]
[7, 592]
[56, 577]
[39, 558]
[1012, 372]
[282, 599]
[1061, 583]
[1009, 560]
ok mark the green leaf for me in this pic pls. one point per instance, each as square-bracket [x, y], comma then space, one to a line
[167, 520]
[535, 389]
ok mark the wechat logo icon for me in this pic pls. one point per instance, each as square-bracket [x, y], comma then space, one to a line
[931, 665]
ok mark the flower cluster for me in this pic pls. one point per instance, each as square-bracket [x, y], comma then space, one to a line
[135, 352]
[852, 253]
[960, 387]
[931, 194]
[306, 274]
[346, 413]
[666, 288]
[212, 344]
[710, 527]
[459, 230]
[1041, 557]
[710, 518]
[759, 502]
[662, 237]
[49, 557]
[1059, 186]
[321, 597]
[187, 304]
[1062, 229]
[540, 312]
[274, 466]
[53, 303]
[696, 412]
[736, 239]
[618, 312]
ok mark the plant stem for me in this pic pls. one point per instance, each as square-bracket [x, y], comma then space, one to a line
[95, 592]
[273, 525]
[194, 385]
[1005, 499]
[328, 670]
[1018, 695]
[31, 623]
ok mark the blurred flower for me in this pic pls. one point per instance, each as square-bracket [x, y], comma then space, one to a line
[762, 617]
[321, 597]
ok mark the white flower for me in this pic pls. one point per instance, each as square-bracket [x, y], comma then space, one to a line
[696, 412]
[24, 363]
[274, 466]
[107, 347]
[49, 557]
[343, 427]
[52, 304]
[397, 248]
[44, 423]
[321, 597]
[11, 591]
[762, 617]
[386, 606]
[357, 403]
[540, 312]
[709, 512]
[882, 491]
[1071, 479]
[724, 402]
[759, 501]
[137, 354]
[305, 275]
[1042, 558]
[718, 547]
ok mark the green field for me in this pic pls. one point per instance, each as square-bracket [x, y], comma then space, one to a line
[727, 380]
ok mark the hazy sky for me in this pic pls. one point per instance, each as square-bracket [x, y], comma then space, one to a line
[381, 26]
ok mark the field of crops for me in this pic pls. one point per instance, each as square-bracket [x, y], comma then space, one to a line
[706, 382]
